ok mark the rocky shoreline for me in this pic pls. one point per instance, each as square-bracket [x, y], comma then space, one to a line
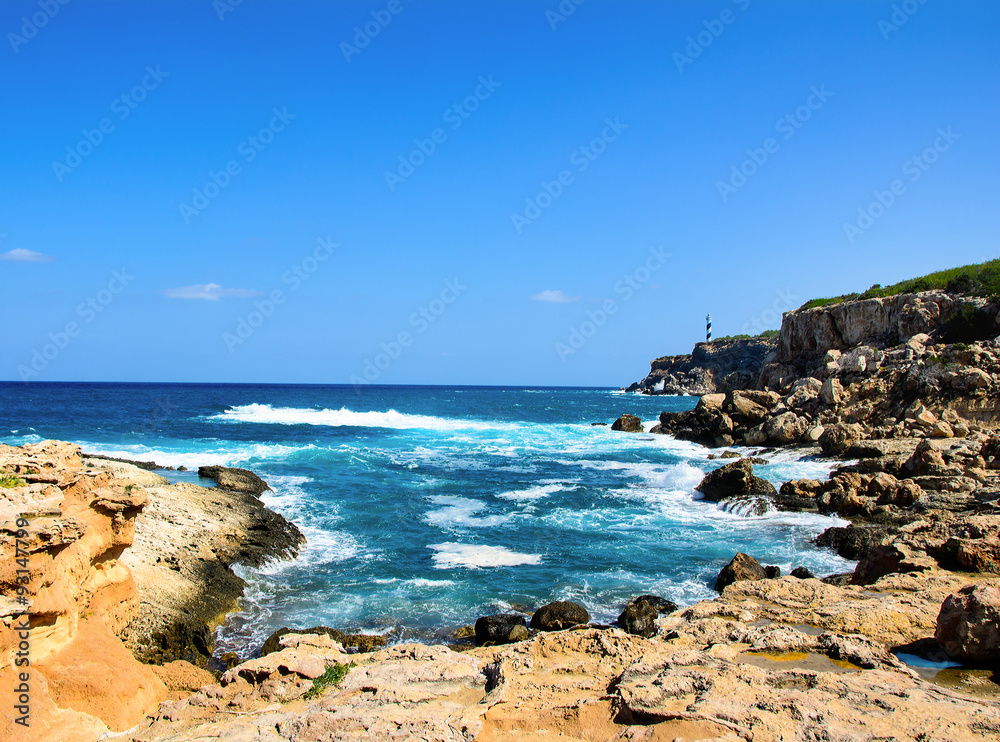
[902, 392]
[128, 576]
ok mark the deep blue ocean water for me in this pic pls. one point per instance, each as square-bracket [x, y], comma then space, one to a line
[426, 507]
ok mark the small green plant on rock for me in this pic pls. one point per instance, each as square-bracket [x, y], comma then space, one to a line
[332, 677]
[9, 481]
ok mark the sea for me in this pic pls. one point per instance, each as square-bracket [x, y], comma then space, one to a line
[425, 507]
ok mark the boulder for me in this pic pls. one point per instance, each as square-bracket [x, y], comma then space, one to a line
[237, 480]
[559, 615]
[739, 403]
[711, 402]
[639, 616]
[968, 626]
[755, 436]
[814, 433]
[628, 424]
[839, 437]
[502, 628]
[803, 574]
[362, 642]
[852, 542]
[941, 429]
[803, 391]
[785, 428]
[734, 480]
[741, 567]
[832, 392]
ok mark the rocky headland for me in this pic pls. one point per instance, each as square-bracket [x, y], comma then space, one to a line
[125, 577]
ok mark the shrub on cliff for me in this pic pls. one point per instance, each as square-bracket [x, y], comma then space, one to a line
[981, 279]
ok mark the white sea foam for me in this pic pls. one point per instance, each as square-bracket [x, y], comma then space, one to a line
[265, 413]
[322, 547]
[423, 582]
[473, 556]
[214, 453]
[461, 511]
[534, 493]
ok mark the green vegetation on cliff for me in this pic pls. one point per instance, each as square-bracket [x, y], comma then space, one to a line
[764, 334]
[981, 279]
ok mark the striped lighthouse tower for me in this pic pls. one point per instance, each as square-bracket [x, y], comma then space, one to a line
[708, 328]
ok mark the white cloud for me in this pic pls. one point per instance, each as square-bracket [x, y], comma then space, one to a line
[210, 292]
[556, 297]
[21, 255]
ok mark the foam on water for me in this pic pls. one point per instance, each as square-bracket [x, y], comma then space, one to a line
[322, 548]
[423, 582]
[474, 556]
[525, 502]
[265, 413]
[543, 489]
[218, 453]
[460, 512]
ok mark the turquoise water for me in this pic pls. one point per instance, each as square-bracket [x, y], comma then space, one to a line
[426, 507]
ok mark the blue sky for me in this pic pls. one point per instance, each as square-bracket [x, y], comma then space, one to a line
[258, 208]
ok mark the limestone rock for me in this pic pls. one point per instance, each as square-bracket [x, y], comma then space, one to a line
[628, 424]
[562, 614]
[968, 626]
[832, 392]
[498, 628]
[237, 480]
[735, 479]
[639, 616]
[785, 428]
[361, 642]
[803, 391]
[741, 567]
[941, 429]
[853, 541]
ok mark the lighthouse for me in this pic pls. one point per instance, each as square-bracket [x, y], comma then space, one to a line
[708, 328]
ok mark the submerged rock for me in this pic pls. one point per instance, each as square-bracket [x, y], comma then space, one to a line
[559, 615]
[628, 424]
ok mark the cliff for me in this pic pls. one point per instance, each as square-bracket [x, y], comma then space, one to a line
[806, 335]
[717, 366]
[885, 322]
[114, 565]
